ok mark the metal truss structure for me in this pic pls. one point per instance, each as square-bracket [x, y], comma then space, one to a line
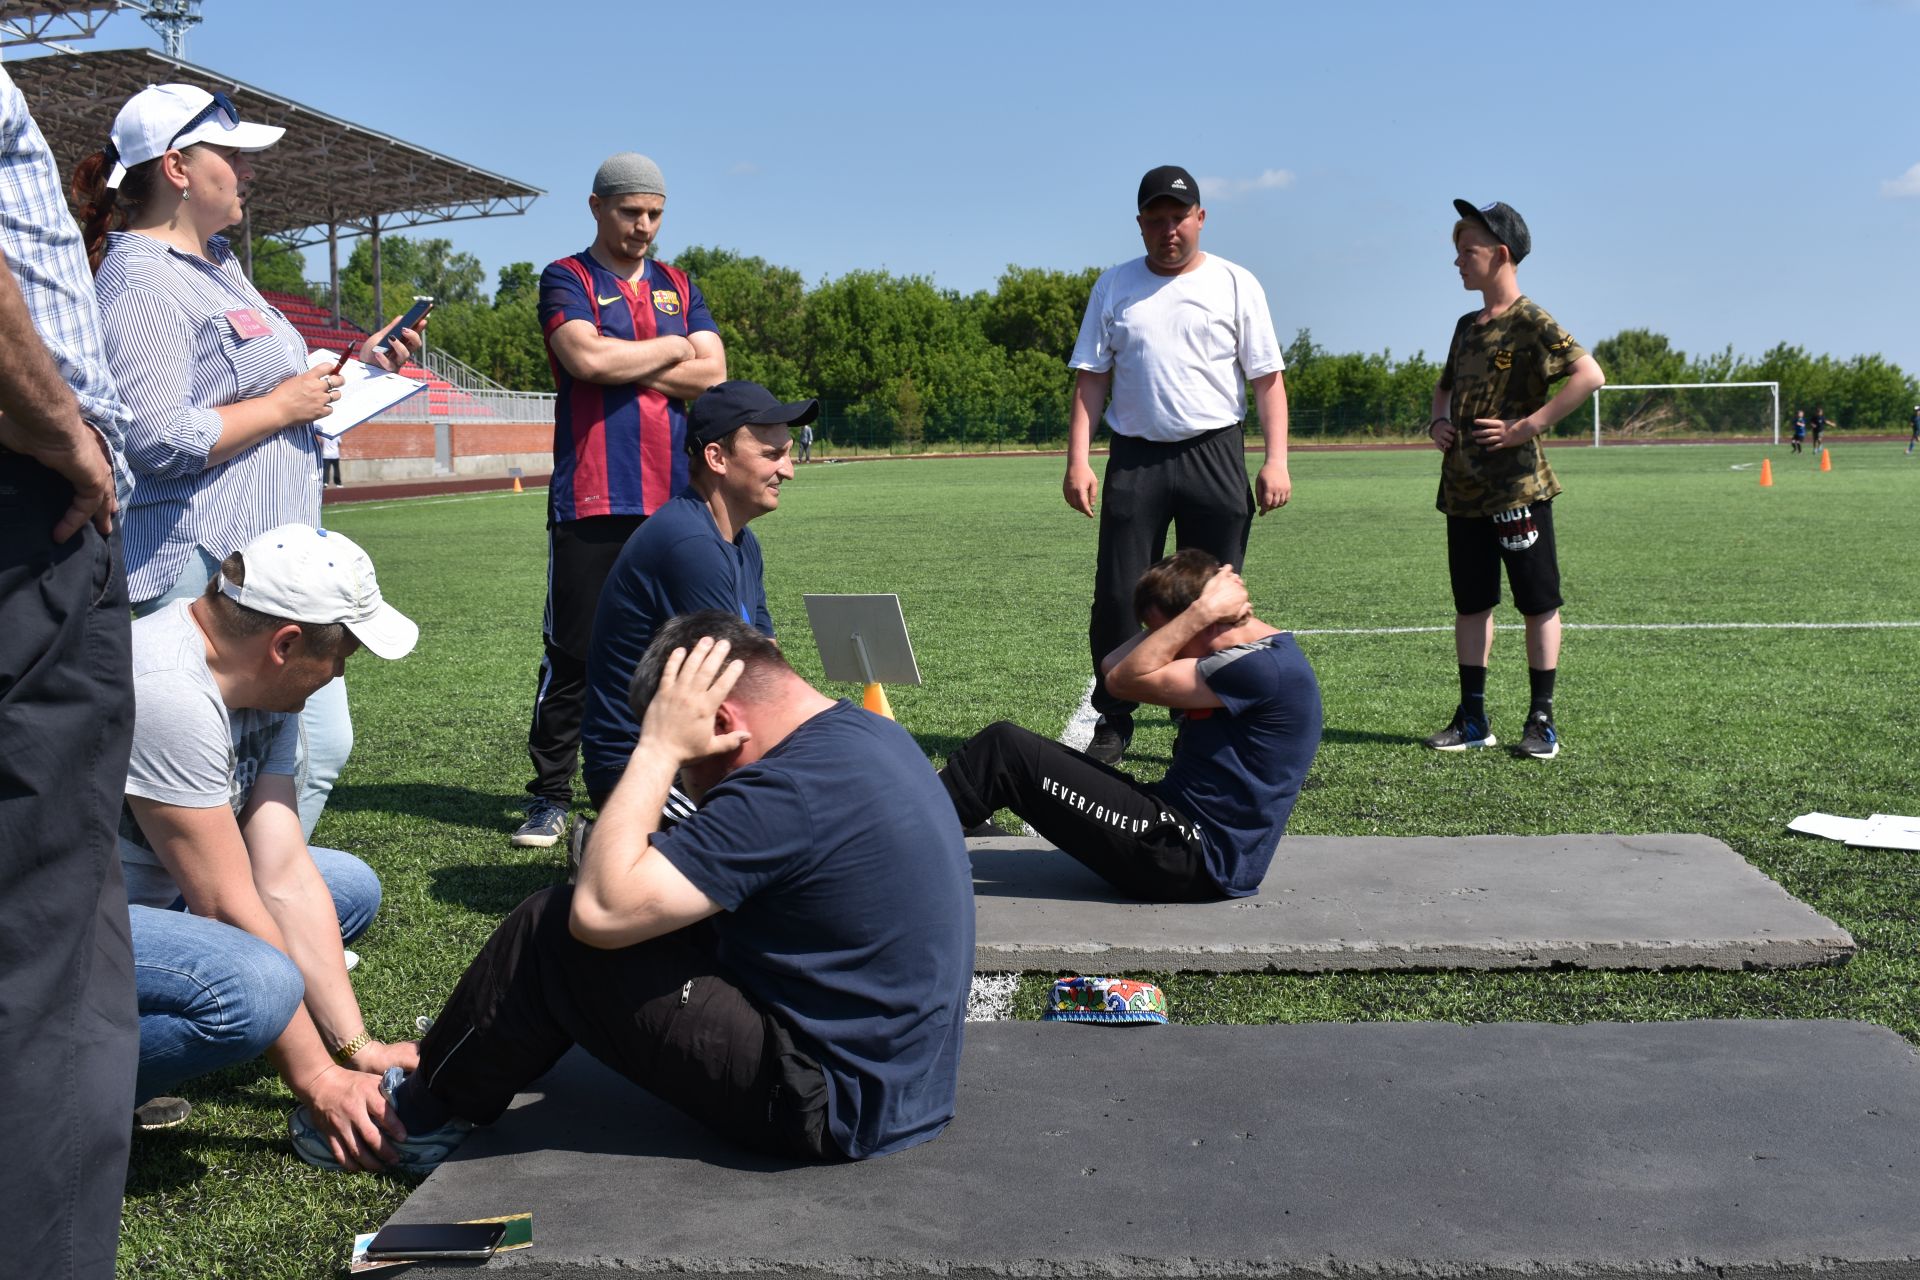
[327, 177]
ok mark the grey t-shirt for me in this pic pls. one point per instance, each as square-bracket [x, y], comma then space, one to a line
[189, 749]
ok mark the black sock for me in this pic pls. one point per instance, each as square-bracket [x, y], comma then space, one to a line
[1542, 689]
[1473, 690]
[419, 1110]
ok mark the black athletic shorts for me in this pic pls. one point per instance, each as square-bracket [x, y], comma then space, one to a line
[1521, 539]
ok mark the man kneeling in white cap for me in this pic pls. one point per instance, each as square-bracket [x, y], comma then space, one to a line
[238, 926]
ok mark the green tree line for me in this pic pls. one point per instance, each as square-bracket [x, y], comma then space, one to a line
[901, 362]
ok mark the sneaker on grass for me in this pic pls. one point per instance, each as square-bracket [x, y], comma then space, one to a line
[1111, 737]
[546, 823]
[420, 1153]
[1463, 734]
[1538, 739]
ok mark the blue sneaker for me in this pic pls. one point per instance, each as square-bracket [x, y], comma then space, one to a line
[420, 1154]
[1538, 739]
[1465, 733]
[546, 823]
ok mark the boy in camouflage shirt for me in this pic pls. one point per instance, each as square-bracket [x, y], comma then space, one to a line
[1496, 487]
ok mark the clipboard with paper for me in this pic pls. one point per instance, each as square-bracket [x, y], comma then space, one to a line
[365, 391]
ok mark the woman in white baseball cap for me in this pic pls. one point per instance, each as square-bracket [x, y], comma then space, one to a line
[221, 445]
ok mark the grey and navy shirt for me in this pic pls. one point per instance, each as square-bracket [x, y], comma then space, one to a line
[1237, 768]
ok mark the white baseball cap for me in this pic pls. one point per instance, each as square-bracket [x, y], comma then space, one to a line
[167, 117]
[305, 574]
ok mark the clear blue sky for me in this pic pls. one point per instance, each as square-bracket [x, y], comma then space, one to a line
[1741, 173]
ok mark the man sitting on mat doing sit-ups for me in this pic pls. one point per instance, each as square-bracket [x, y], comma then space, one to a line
[1249, 713]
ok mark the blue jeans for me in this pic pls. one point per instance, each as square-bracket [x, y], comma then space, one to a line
[326, 725]
[212, 995]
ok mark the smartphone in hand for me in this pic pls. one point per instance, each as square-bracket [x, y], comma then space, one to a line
[415, 314]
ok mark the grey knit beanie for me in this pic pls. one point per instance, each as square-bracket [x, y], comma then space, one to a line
[629, 173]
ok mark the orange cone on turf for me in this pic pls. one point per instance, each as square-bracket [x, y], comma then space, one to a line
[516, 485]
[1766, 473]
[875, 700]
[1826, 460]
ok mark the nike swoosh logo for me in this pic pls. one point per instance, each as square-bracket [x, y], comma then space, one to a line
[606, 302]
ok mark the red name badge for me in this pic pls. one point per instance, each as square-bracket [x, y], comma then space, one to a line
[247, 323]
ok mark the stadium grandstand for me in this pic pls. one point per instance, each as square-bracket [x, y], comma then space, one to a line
[331, 180]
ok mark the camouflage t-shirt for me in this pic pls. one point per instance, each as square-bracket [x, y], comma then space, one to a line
[1502, 369]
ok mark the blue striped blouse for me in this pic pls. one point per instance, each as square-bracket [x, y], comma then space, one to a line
[178, 357]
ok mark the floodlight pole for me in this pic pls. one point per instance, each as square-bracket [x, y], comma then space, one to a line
[172, 19]
[379, 297]
[333, 267]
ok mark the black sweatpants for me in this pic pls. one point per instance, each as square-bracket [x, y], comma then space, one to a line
[666, 1014]
[1110, 823]
[1199, 488]
[69, 1029]
[580, 555]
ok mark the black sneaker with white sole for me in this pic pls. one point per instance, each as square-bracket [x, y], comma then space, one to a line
[1538, 739]
[1111, 736]
[1464, 733]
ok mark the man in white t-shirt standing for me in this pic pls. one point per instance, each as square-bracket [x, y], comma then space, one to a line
[1168, 347]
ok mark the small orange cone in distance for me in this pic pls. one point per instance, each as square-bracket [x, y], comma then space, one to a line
[1766, 473]
[1826, 460]
[875, 700]
[516, 485]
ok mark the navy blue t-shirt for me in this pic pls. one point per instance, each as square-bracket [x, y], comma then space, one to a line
[1237, 768]
[675, 563]
[847, 908]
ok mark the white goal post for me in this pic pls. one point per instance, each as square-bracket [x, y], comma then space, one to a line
[1685, 386]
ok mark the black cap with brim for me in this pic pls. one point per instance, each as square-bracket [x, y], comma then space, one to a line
[721, 410]
[1503, 223]
[1170, 181]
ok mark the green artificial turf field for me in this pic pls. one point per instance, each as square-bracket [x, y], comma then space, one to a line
[1727, 731]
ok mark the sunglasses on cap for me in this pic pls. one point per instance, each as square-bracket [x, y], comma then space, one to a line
[221, 109]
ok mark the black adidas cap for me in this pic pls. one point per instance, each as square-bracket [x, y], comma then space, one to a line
[1171, 181]
[1503, 223]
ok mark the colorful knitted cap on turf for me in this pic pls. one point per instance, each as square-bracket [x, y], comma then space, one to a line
[1106, 1000]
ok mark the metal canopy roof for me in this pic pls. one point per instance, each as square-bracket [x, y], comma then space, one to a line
[325, 170]
[46, 21]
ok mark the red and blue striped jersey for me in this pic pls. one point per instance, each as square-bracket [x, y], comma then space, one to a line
[616, 450]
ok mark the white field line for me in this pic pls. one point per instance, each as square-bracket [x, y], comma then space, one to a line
[344, 508]
[1630, 626]
[990, 998]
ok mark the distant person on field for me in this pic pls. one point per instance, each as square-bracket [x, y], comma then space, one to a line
[1249, 712]
[694, 553]
[1915, 437]
[1168, 346]
[806, 443]
[329, 462]
[238, 924]
[69, 1032]
[1819, 426]
[1496, 488]
[789, 965]
[222, 445]
[1799, 429]
[630, 341]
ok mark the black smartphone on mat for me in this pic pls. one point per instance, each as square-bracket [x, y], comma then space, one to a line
[419, 1241]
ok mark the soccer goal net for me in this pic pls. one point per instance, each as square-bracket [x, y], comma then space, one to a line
[1644, 413]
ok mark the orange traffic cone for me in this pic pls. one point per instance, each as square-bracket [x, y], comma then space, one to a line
[875, 700]
[1766, 473]
[518, 489]
[1826, 460]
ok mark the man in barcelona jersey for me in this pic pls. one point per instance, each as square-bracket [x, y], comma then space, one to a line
[630, 342]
